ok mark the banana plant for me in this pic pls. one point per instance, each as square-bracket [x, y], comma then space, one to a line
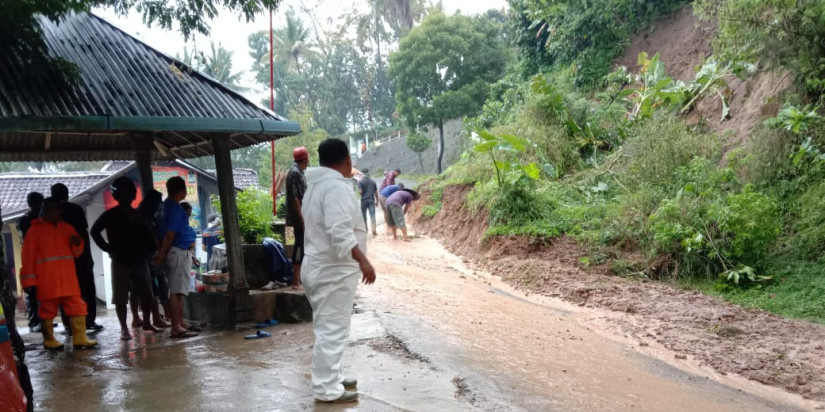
[491, 143]
[711, 77]
[652, 88]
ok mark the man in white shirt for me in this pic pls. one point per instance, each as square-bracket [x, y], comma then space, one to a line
[335, 259]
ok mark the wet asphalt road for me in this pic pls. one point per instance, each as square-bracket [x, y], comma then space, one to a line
[430, 335]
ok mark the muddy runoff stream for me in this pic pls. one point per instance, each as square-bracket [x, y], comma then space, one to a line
[538, 353]
[430, 335]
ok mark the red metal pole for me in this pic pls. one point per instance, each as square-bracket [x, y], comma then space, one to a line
[272, 107]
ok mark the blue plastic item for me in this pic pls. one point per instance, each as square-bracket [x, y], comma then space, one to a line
[279, 266]
[270, 322]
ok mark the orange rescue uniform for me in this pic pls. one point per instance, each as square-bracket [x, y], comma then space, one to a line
[48, 264]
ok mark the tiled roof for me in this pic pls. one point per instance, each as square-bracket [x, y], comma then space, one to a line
[243, 178]
[15, 186]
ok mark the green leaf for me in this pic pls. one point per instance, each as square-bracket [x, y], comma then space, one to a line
[549, 170]
[486, 135]
[485, 147]
[532, 171]
[516, 143]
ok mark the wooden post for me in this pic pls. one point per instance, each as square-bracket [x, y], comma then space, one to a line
[144, 164]
[238, 287]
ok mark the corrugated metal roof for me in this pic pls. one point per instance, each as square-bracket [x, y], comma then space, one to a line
[121, 76]
[127, 92]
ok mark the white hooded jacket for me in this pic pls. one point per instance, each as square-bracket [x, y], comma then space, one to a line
[332, 219]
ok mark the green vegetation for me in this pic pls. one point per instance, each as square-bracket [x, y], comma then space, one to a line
[429, 211]
[419, 143]
[443, 68]
[608, 159]
[254, 215]
[582, 37]
[776, 33]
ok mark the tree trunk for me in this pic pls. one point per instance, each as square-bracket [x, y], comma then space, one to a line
[376, 22]
[421, 162]
[440, 145]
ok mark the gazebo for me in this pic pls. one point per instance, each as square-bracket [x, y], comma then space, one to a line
[131, 102]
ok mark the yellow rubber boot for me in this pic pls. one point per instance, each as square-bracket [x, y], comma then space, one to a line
[79, 339]
[49, 342]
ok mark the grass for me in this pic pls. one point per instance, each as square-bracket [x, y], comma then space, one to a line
[797, 291]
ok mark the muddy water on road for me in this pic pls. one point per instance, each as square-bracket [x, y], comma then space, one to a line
[541, 353]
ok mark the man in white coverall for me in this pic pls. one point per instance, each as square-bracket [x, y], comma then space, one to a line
[335, 258]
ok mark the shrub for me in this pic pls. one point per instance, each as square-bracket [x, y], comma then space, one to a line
[709, 227]
[766, 156]
[429, 211]
[516, 204]
[471, 167]
[254, 214]
[656, 149]
[810, 227]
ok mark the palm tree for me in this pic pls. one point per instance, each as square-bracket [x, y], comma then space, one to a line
[401, 15]
[292, 44]
[218, 64]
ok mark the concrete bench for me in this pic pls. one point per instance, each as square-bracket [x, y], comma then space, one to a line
[285, 305]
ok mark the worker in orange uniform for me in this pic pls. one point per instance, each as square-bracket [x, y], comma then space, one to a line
[49, 250]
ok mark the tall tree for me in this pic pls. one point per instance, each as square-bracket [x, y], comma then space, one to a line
[330, 82]
[218, 64]
[443, 68]
[292, 43]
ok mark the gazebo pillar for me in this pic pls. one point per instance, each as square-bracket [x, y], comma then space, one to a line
[241, 305]
[144, 166]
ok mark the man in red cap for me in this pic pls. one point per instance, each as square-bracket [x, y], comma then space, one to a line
[296, 186]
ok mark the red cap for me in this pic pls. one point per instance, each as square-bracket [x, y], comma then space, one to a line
[300, 153]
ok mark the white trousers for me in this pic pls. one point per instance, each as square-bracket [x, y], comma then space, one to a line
[331, 293]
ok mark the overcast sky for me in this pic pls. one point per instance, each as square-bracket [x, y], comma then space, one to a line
[232, 32]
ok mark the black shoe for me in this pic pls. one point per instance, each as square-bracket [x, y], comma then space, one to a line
[35, 329]
[94, 326]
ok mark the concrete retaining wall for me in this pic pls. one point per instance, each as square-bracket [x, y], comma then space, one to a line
[396, 154]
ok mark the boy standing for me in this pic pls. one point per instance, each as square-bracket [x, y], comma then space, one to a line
[130, 245]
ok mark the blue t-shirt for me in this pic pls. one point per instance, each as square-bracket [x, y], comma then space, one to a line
[389, 190]
[175, 220]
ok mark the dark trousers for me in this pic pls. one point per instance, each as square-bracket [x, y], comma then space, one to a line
[86, 281]
[368, 207]
[160, 286]
[32, 307]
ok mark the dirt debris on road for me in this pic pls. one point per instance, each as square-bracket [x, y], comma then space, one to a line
[757, 345]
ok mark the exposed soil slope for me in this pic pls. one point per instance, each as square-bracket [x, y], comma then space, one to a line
[752, 343]
[684, 42]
